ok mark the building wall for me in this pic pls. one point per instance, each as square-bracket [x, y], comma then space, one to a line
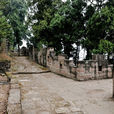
[97, 68]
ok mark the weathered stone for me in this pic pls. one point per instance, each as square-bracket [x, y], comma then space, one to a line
[75, 110]
[14, 86]
[14, 109]
[97, 68]
[62, 110]
[44, 112]
[14, 100]
[65, 110]
[14, 81]
[14, 96]
[4, 90]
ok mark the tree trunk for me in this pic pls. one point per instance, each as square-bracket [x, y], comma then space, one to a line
[88, 54]
[68, 48]
[18, 50]
[33, 54]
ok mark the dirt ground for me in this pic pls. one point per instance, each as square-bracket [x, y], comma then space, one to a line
[4, 89]
[49, 93]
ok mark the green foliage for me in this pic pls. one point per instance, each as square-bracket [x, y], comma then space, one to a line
[5, 27]
[4, 6]
[68, 24]
[104, 47]
[12, 21]
[18, 10]
[41, 29]
[60, 24]
[100, 25]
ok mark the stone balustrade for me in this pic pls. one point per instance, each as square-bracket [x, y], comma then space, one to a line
[97, 68]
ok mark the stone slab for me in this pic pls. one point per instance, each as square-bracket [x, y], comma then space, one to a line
[14, 96]
[14, 86]
[14, 109]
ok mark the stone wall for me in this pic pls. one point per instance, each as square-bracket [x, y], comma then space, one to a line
[41, 57]
[97, 68]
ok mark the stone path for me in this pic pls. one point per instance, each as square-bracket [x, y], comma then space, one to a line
[4, 89]
[48, 93]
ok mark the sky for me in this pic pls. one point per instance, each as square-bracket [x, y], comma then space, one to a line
[63, 0]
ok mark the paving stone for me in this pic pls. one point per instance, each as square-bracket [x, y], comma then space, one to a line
[14, 109]
[4, 90]
[14, 96]
[52, 94]
[14, 86]
[35, 111]
[62, 110]
[44, 112]
[14, 81]
[74, 109]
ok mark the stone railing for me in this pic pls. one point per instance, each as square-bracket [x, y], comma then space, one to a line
[97, 68]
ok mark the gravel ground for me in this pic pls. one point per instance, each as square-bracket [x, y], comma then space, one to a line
[4, 89]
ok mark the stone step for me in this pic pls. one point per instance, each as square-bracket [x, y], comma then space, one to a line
[15, 73]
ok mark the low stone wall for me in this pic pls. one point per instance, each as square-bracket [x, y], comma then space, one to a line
[97, 68]
[91, 70]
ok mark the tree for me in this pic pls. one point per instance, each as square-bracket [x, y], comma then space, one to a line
[104, 47]
[68, 24]
[17, 19]
[5, 28]
[4, 6]
[100, 26]
[61, 24]
[43, 13]
[6, 31]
